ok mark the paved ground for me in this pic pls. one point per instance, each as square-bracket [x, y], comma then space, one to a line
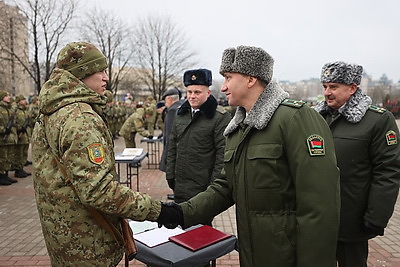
[22, 244]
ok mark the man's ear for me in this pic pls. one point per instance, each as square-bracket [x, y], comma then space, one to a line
[251, 81]
[353, 88]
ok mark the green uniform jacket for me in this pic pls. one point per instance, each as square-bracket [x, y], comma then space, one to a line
[368, 156]
[196, 148]
[286, 194]
[70, 129]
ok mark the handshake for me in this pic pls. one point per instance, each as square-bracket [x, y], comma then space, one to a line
[171, 215]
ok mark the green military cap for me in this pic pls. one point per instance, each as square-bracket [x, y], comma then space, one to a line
[82, 59]
[3, 93]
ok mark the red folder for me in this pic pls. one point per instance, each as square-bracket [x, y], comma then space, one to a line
[199, 237]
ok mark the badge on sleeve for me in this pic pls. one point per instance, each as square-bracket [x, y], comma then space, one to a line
[316, 146]
[96, 153]
[391, 138]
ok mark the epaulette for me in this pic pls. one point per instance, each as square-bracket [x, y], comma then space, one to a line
[293, 103]
[377, 109]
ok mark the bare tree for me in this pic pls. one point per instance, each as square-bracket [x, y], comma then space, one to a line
[162, 54]
[112, 37]
[47, 21]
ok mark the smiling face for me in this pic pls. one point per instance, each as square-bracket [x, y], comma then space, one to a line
[97, 82]
[235, 88]
[337, 94]
[197, 95]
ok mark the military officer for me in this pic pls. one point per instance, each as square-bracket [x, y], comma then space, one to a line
[368, 153]
[279, 171]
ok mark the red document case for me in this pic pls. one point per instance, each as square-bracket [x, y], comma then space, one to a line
[200, 237]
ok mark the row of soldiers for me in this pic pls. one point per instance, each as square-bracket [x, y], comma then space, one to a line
[127, 119]
[17, 120]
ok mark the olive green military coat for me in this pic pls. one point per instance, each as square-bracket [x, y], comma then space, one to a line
[196, 148]
[368, 155]
[280, 171]
[70, 130]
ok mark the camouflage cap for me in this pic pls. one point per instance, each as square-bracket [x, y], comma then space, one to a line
[82, 59]
[248, 60]
[19, 98]
[341, 72]
[3, 93]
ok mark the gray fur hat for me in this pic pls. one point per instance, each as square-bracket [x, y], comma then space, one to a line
[341, 72]
[248, 60]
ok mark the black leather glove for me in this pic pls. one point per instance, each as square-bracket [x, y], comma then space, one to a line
[373, 229]
[171, 215]
[150, 137]
[171, 183]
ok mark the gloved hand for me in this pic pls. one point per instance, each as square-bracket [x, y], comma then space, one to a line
[171, 215]
[171, 183]
[160, 135]
[373, 229]
[150, 137]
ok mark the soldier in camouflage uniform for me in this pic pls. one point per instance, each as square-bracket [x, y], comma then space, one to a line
[8, 137]
[22, 123]
[135, 124]
[73, 149]
[151, 119]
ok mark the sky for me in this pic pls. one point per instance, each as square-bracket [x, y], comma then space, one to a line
[301, 35]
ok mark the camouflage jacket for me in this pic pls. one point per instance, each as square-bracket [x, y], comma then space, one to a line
[134, 124]
[5, 115]
[22, 121]
[70, 130]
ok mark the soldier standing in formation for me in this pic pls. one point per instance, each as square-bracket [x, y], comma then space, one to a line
[23, 124]
[8, 137]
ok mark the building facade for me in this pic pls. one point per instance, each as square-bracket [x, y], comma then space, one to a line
[14, 51]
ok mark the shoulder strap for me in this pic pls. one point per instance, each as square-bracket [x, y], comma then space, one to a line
[293, 103]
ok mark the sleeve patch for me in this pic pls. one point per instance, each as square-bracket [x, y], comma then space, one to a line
[316, 146]
[96, 153]
[391, 138]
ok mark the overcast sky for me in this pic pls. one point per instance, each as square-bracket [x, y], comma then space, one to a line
[301, 35]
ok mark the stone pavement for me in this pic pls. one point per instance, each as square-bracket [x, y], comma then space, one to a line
[22, 244]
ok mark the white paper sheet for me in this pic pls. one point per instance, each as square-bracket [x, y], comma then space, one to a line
[157, 236]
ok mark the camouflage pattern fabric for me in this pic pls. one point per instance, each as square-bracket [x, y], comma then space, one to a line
[71, 130]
